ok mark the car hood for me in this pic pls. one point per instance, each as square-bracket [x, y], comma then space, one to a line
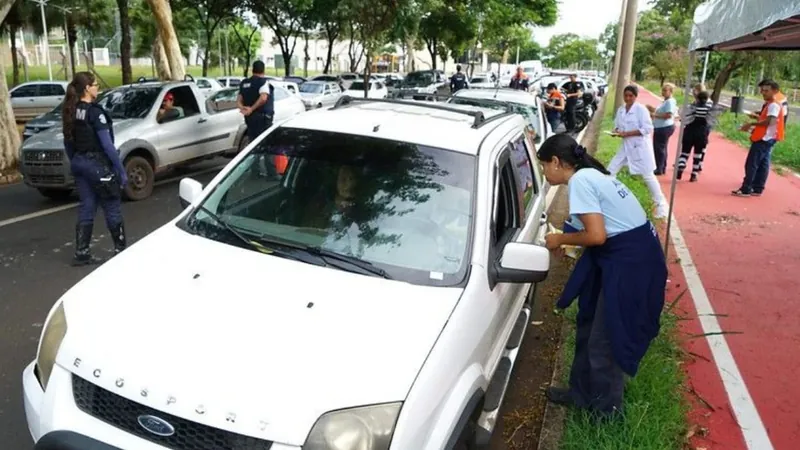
[233, 331]
[53, 137]
[45, 120]
[309, 95]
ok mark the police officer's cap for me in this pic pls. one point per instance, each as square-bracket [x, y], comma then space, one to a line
[258, 67]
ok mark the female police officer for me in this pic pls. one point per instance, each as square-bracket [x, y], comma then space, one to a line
[95, 163]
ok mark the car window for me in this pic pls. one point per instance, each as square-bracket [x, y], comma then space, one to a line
[225, 95]
[311, 88]
[405, 208]
[478, 80]
[203, 84]
[30, 90]
[348, 76]
[506, 213]
[526, 186]
[379, 85]
[129, 102]
[358, 86]
[327, 89]
[185, 99]
[46, 90]
[280, 93]
[335, 89]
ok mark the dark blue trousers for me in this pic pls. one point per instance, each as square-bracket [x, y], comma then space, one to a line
[756, 167]
[86, 172]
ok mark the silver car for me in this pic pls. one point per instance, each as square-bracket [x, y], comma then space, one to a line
[189, 133]
[318, 94]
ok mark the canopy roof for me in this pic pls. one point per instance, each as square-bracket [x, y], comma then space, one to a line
[729, 25]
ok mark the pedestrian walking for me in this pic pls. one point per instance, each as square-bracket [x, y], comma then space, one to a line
[697, 122]
[573, 90]
[554, 106]
[256, 102]
[633, 124]
[458, 81]
[764, 134]
[94, 161]
[664, 127]
[619, 280]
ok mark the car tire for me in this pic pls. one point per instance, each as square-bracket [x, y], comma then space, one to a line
[56, 194]
[319, 105]
[141, 178]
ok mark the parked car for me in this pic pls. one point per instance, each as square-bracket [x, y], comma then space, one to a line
[398, 248]
[376, 89]
[481, 81]
[42, 122]
[421, 85]
[33, 98]
[523, 103]
[230, 81]
[146, 145]
[207, 85]
[318, 94]
[327, 78]
[298, 80]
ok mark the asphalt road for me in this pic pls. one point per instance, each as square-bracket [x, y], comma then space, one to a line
[755, 105]
[36, 246]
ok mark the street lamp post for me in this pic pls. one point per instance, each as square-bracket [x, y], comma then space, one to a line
[45, 43]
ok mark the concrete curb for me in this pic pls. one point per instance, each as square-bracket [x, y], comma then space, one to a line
[553, 422]
[11, 178]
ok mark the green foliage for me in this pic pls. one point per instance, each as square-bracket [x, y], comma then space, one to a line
[785, 153]
[450, 28]
[669, 65]
[187, 28]
[570, 50]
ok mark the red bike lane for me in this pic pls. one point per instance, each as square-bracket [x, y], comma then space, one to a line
[737, 263]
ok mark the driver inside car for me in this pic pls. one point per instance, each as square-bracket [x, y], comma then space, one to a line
[169, 104]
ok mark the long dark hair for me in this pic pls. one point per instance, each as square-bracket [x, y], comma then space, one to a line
[566, 149]
[75, 90]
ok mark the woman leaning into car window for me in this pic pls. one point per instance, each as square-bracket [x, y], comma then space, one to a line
[619, 280]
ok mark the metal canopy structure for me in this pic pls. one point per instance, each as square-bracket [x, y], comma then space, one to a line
[736, 25]
[730, 25]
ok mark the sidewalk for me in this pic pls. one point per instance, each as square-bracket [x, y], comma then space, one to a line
[747, 254]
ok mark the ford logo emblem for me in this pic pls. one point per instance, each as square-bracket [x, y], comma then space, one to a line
[156, 425]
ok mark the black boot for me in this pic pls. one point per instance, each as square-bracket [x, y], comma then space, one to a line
[83, 239]
[680, 174]
[119, 238]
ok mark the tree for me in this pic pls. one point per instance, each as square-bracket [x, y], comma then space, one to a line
[451, 27]
[14, 21]
[670, 64]
[530, 50]
[210, 13]
[125, 41]
[248, 38]
[166, 45]
[9, 135]
[285, 18]
[501, 19]
[569, 50]
[328, 16]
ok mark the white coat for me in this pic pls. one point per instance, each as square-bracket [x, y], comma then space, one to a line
[636, 151]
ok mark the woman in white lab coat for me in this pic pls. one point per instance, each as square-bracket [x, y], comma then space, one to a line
[633, 124]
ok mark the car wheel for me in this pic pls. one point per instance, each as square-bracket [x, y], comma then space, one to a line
[56, 194]
[140, 178]
[319, 105]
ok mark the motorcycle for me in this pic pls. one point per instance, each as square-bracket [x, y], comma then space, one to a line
[583, 114]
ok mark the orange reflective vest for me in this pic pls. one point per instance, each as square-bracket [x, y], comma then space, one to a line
[761, 130]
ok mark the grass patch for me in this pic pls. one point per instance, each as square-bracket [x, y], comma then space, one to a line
[786, 153]
[655, 409]
[113, 74]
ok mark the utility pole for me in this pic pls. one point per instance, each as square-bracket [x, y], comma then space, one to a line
[68, 70]
[620, 30]
[45, 42]
[705, 69]
[518, 55]
[626, 58]
[227, 55]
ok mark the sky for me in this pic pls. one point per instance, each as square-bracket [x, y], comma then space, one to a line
[586, 18]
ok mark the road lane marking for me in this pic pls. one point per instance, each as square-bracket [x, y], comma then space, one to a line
[747, 417]
[56, 209]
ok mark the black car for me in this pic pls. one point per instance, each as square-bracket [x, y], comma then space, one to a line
[42, 122]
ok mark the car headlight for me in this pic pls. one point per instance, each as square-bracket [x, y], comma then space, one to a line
[364, 428]
[53, 334]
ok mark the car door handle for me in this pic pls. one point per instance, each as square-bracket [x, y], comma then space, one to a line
[32, 99]
[202, 120]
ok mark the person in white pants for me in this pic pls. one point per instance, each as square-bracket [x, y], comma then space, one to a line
[633, 124]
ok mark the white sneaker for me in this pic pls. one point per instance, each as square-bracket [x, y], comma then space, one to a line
[661, 212]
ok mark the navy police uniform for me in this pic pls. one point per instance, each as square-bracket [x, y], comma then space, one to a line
[573, 87]
[457, 82]
[261, 119]
[99, 177]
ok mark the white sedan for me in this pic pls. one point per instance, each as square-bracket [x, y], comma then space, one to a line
[207, 85]
[376, 89]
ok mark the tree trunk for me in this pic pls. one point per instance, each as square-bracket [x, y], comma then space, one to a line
[9, 134]
[72, 33]
[125, 41]
[162, 14]
[13, 30]
[505, 56]
[724, 76]
[367, 70]
[208, 54]
[330, 36]
[161, 62]
[306, 58]
[410, 63]
[433, 50]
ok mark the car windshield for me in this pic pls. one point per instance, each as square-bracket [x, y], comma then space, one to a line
[358, 86]
[478, 80]
[403, 208]
[311, 88]
[349, 76]
[419, 79]
[129, 102]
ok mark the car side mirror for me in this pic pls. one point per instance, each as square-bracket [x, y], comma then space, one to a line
[522, 263]
[189, 191]
[171, 114]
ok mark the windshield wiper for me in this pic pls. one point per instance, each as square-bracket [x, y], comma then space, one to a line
[255, 245]
[336, 259]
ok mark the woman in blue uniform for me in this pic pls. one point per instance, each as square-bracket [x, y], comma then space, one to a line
[94, 161]
[619, 280]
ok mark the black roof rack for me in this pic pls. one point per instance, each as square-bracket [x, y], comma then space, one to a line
[478, 117]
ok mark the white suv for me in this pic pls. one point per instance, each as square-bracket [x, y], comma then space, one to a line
[358, 278]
